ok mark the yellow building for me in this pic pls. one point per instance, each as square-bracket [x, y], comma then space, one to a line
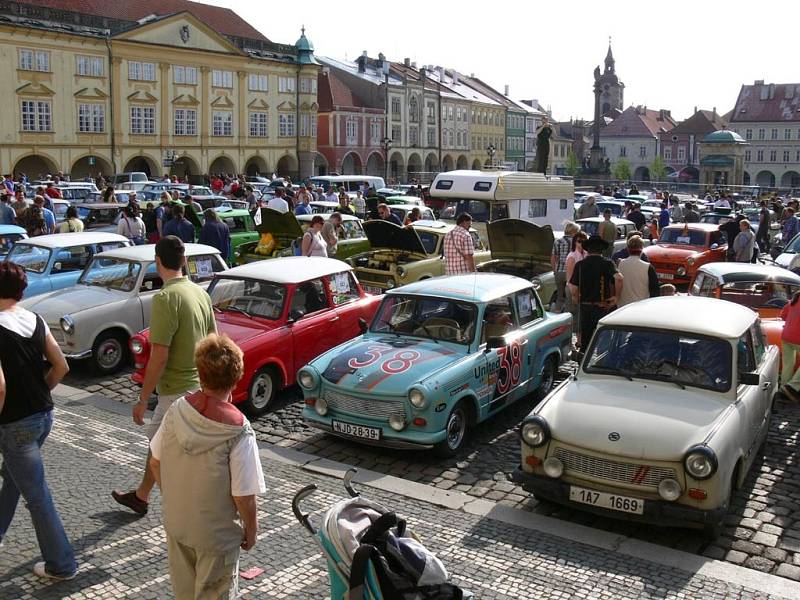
[160, 94]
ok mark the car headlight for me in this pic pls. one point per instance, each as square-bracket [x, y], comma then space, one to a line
[681, 271]
[553, 467]
[417, 398]
[401, 272]
[690, 261]
[535, 431]
[669, 489]
[306, 379]
[67, 324]
[136, 346]
[390, 284]
[321, 406]
[701, 462]
[537, 283]
[397, 422]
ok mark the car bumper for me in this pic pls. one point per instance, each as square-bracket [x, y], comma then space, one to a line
[401, 440]
[656, 512]
[77, 355]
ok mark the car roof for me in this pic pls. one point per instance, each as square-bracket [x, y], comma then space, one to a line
[61, 240]
[437, 225]
[147, 252]
[695, 226]
[11, 229]
[471, 287]
[615, 220]
[289, 269]
[691, 314]
[231, 212]
[737, 271]
[326, 216]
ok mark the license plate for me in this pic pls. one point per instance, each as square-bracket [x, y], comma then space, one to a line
[371, 289]
[604, 500]
[359, 431]
[665, 275]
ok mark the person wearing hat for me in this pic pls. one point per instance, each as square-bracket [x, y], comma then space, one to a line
[593, 285]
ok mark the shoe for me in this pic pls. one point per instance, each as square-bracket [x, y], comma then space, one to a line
[131, 500]
[38, 569]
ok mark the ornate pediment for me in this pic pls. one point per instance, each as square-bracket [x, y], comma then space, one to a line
[142, 97]
[182, 30]
[305, 106]
[35, 88]
[185, 100]
[258, 103]
[91, 93]
[222, 102]
[286, 106]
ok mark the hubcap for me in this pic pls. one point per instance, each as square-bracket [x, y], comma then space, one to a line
[109, 353]
[455, 429]
[261, 391]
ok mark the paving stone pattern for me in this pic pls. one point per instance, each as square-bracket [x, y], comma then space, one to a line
[123, 556]
[763, 527]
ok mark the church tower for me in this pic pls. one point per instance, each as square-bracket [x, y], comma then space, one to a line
[611, 89]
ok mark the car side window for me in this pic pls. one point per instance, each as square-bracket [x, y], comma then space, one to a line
[745, 358]
[309, 297]
[343, 288]
[498, 318]
[759, 347]
[74, 258]
[527, 307]
[697, 286]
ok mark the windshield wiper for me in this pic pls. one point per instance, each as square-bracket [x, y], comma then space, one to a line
[239, 310]
[392, 327]
[428, 331]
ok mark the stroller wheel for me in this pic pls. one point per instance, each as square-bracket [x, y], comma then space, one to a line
[455, 431]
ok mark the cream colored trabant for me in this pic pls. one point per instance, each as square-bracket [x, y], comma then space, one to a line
[663, 419]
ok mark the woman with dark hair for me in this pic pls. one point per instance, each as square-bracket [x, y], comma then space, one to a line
[313, 243]
[26, 417]
[34, 223]
[790, 347]
[131, 225]
[71, 223]
[108, 194]
[215, 233]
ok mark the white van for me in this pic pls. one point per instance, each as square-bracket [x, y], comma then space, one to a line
[350, 183]
[491, 195]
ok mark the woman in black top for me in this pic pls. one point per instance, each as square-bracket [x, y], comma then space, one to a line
[26, 417]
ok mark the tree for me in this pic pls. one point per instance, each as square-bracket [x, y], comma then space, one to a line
[573, 165]
[658, 170]
[622, 169]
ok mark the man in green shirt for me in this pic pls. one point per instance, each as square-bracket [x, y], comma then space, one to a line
[181, 316]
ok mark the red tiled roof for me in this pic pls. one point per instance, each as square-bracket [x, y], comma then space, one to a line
[636, 121]
[332, 92]
[780, 103]
[700, 123]
[222, 20]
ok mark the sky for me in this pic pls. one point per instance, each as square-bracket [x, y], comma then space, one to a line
[674, 55]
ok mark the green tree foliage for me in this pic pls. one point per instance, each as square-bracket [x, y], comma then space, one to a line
[573, 165]
[658, 170]
[622, 169]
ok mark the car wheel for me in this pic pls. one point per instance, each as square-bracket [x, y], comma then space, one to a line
[547, 378]
[455, 431]
[110, 350]
[261, 392]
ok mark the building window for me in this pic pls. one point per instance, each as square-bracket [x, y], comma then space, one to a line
[432, 113]
[287, 125]
[308, 125]
[759, 156]
[36, 115]
[308, 85]
[143, 120]
[258, 124]
[748, 134]
[747, 155]
[787, 134]
[762, 134]
[351, 131]
[185, 121]
[681, 152]
[285, 85]
[623, 151]
[221, 79]
[667, 153]
[89, 66]
[141, 71]
[91, 118]
[786, 156]
[34, 60]
[797, 156]
[413, 136]
[773, 155]
[774, 134]
[257, 83]
[374, 131]
[395, 109]
[432, 137]
[413, 112]
[397, 135]
[642, 151]
[184, 75]
[222, 122]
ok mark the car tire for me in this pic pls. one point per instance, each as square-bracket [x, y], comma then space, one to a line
[261, 392]
[456, 428]
[547, 376]
[109, 352]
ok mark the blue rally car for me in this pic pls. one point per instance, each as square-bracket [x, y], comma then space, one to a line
[440, 356]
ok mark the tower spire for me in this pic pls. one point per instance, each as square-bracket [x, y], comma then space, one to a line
[609, 58]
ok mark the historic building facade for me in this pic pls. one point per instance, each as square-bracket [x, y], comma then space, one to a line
[101, 88]
[679, 145]
[634, 136]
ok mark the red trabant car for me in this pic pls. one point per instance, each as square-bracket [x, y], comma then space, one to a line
[683, 248]
[282, 313]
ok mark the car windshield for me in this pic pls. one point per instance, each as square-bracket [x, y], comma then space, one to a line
[7, 241]
[793, 246]
[616, 209]
[429, 240]
[352, 230]
[256, 298]
[758, 294]
[32, 258]
[687, 237]
[111, 273]
[589, 227]
[681, 358]
[433, 318]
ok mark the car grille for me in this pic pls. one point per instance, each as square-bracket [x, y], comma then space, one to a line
[367, 407]
[371, 277]
[58, 333]
[602, 468]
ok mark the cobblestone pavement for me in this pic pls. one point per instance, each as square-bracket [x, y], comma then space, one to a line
[763, 531]
[123, 556]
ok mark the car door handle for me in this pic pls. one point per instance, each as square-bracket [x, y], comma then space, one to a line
[333, 319]
[766, 385]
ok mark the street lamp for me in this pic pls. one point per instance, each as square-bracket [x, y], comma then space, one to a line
[386, 144]
[490, 150]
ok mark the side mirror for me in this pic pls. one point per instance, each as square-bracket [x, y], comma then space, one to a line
[57, 266]
[496, 342]
[749, 379]
[714, 246]
[362, 325]
[296, 314]
[148, 285]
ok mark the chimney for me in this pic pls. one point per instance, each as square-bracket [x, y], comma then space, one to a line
[506, 91]
[695, 111]
[407, 62]
[714, 110]
[362, 62]
[455, 77]
[759, 82]
[440, 71]
[413, 64]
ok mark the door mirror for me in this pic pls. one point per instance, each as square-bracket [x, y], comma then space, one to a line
[56, 267]
[362, 325]
[295, 315]
[496, 342]
[749, 379]
[714, 246]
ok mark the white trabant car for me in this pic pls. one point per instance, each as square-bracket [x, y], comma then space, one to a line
[663, 419]
[112, 301]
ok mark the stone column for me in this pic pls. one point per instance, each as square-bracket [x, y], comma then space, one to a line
[164, 137]
[116, 107]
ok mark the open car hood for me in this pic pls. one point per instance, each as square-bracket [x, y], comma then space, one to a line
[383, 234]
[279, 224]
[515, 238]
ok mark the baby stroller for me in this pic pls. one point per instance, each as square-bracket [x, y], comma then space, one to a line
[372, 555]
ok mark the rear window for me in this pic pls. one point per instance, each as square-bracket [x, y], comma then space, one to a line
[482, 186]
[444, 184]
